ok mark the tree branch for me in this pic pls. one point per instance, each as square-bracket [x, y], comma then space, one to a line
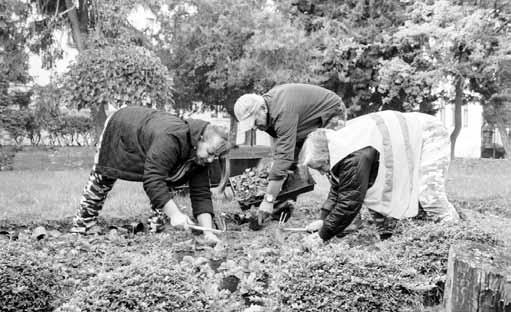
[75, 24]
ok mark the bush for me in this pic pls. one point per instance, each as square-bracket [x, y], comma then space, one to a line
[120, 75]
[425, 246]
[331, 281]
[25, 284]
[400, 274]
[7, 154]
[147, 285]
[18, 123]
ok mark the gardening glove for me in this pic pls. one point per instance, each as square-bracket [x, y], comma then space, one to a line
[181, 220]
[312, 242]
[264, 212]
[314, 226]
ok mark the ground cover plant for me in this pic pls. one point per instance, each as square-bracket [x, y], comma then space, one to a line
[268, 270]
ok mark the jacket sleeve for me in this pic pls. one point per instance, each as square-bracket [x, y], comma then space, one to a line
[285, 144]
[200, 192]
[353, 174]
[161, 158]
[329, 203]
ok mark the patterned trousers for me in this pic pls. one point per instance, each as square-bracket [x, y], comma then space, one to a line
[92, 201]
[94, 195]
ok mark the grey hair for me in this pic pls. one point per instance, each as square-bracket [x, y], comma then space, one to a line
[223, 150]
[315, 148]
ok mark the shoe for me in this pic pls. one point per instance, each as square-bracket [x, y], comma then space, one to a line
[355, 225]
[81, 226]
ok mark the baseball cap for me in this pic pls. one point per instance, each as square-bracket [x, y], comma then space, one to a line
[244, 110]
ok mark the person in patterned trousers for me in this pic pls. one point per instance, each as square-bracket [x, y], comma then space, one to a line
[162, 151]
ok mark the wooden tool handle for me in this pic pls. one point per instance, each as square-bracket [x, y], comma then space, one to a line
[295, 229]
[201, 228]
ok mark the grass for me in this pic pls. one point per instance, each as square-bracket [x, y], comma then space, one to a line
[39, 195]
[477, 179]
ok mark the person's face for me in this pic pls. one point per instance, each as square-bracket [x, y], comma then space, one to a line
[321, 166]
[261, 118]
[207, 150]
[310, 159]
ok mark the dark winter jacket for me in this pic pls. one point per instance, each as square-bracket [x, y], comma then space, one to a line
[350, 178]
[295, 110]
[158, 149]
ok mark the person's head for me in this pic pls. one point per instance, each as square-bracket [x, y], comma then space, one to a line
[215, 144]
[251, 112]
[315, 152]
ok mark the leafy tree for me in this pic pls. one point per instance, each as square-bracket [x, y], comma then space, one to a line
[14, 117]
[93, 25]
[218, 50]
[456, 37]
[205, 38]
[79, 17]
[360, 60]
[118, 76]
[13, 57]
[495, 88]
[278, 52]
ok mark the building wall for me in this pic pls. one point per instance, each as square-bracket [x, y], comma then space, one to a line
[468, 143]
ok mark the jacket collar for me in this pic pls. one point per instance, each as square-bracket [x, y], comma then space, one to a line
[197, 128]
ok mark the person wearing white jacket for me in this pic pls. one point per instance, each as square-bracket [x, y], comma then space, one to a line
[388, 161]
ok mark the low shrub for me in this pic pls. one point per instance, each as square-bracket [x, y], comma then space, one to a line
[26, 284]
[149, 284]
[332, 281]
[7, 154]
[400, 274]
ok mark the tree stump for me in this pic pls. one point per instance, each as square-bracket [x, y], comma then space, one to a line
[478, 279]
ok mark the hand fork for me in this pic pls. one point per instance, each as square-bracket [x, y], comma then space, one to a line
[282, 219]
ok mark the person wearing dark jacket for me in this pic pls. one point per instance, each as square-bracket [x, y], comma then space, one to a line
[162, 151]
[387, 161]
[288, 113]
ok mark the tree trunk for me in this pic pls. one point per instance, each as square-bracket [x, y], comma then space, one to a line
[84, 16]
[504, 136]
[458, 102]
[233, 130]
[75, 26]
[478, 279]
[99, 117]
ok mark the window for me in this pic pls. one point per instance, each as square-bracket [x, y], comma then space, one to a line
[465, 116]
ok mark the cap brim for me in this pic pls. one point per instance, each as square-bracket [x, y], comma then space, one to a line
[245, 125]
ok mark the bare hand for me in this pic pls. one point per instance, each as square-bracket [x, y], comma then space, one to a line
[211, 238]
[312, 241]
[180, 220]
[314, 226]
[264, 212]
